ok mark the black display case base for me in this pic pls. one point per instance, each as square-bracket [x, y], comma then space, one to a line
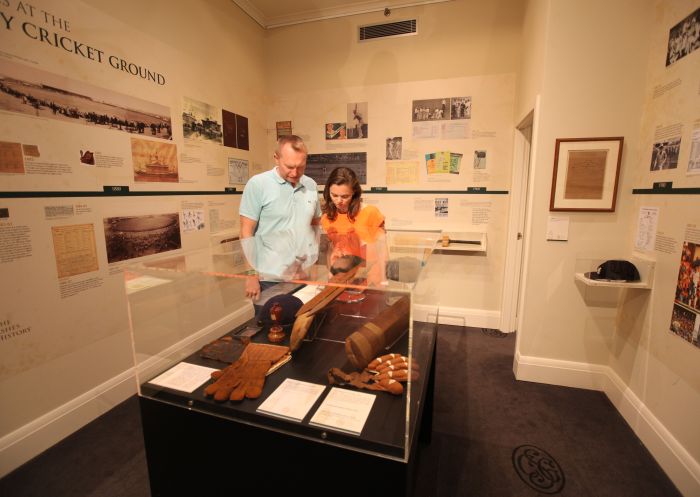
[191, 452]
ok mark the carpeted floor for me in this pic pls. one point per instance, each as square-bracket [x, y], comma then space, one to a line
[492, 436]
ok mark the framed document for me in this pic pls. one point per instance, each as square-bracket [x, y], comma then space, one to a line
[586, 171]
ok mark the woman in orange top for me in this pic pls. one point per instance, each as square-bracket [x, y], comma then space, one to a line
[352, 228]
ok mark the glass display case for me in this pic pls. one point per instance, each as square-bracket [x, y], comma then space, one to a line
[345, 340]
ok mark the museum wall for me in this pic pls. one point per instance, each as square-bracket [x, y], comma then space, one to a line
[455, 39]
[533, 48]
[657, 348]
[623, 342]
[97, 95]
[461, 49]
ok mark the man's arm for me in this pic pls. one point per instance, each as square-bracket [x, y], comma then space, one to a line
[247, 227]
[252, 282]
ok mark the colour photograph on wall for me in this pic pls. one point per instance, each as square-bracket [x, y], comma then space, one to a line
[283, 128]
[686, 307]
[438, 162]
[154, 161]
[38, 93]
[336, 131]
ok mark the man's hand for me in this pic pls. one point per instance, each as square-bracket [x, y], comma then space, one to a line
[252, 287]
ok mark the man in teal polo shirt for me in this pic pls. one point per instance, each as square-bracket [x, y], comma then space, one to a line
[279, 217]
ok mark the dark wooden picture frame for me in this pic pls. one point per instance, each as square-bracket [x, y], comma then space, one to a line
[586, 174]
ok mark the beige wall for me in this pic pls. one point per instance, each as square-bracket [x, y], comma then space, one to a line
[598, 74]
[591, 74]
[455, 39]
[462, 48]
[533, 48]
[54, 392]
[585, 92]
[222, 49]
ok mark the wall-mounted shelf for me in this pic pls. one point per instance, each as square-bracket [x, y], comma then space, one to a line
[644, 266]
[612, 284]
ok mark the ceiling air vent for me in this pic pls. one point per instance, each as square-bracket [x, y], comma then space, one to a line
[390, 29]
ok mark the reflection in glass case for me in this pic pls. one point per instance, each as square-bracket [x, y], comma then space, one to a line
[331, 352]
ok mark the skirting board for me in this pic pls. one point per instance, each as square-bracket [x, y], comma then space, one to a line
[23, 444]
[30, 440]
[458, 316]
[675, 460]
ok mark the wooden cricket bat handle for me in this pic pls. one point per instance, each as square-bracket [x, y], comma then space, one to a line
[446, 240]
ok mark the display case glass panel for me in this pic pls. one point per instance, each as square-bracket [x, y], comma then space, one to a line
[329, 312]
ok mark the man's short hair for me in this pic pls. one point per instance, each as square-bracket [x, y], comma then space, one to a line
[295, 141]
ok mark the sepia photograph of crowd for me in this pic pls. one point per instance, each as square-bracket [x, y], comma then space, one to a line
[38, 93]
[129, 237]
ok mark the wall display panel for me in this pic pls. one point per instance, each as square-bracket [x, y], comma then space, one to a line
[65, 259]
[482, 124]
[669, 146]
[417, 145]
[87, 100]
[661, 332]
[83, 108]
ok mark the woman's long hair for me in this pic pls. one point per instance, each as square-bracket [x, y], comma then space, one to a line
[342, 176]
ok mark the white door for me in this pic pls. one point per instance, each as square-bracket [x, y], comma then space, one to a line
[516, 225]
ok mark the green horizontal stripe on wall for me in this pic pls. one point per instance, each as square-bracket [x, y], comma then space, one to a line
[666, 191]
[111, 194]
[438, 192]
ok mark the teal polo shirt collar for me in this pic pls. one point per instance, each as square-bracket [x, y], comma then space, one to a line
[278, 178]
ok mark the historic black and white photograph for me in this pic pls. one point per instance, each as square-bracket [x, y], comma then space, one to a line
[441, 207]
[694, 158]
[665, 154]
[38, 93]
[435, 109]
[357, 122]
[479, 159]
[129, 237]
[201, 121]
[683, 38]
[461, 108]
[393, 148]
[319, 166]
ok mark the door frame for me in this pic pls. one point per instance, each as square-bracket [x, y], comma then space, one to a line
[517, 221]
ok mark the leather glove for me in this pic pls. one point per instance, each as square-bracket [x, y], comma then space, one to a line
[246, 376]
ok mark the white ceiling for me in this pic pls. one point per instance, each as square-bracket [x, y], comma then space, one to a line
[275, 13]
